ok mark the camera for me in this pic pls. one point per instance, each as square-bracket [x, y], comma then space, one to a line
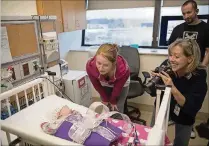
[150, 86]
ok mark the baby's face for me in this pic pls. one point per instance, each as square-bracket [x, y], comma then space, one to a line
[65, 111]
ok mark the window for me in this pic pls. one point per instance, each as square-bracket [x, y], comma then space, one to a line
[120, 26]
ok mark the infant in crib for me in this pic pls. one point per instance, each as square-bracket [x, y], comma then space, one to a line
[114, 132]
[83, 129]
[50, 128]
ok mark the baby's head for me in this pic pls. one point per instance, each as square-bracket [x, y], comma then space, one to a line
[65, 111]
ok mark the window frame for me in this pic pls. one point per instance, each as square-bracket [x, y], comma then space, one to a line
[157, 28]
[88, 45]
[149, 47]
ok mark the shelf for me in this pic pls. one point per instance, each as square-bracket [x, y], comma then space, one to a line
[28, 18]
[25, 80]
[24, 58]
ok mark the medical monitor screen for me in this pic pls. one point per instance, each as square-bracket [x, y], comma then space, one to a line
[167, 25]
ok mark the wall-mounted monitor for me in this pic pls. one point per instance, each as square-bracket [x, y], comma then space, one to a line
[167, 25]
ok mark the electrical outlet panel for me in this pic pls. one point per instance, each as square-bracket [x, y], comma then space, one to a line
[34, 65]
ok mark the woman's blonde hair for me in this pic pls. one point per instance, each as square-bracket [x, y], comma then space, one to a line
[109, 51]
[190, 49]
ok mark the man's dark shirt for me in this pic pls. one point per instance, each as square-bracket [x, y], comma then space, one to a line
[199, 32]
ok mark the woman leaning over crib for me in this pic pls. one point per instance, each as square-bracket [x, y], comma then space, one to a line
[110, 76]
[189, 87]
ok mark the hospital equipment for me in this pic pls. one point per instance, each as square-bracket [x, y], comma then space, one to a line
[60, 69]
[51, 45]
[28, 53]
[6, 79]
[25, 124]
[30, 67]
[78, 87]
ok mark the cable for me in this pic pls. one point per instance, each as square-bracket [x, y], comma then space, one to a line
[57, 89]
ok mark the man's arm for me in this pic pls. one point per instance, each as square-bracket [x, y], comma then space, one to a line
[172, 37]
[205, 61]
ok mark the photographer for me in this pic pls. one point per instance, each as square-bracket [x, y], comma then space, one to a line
[189, 87]
[195, 29]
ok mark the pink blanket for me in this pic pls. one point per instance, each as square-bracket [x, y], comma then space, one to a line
[142, 133]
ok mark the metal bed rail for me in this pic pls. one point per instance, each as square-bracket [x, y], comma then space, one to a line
[39, 88]
[157, 134]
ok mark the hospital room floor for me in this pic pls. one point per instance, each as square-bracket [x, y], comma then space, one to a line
[171, 129]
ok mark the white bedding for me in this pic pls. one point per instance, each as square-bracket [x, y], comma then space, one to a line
[26, 123]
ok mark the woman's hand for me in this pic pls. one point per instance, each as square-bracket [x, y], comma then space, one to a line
[114, 107]
[166, 78]
[105, 103]
[154, 74]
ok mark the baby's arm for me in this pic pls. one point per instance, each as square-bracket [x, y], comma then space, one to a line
[50, 128]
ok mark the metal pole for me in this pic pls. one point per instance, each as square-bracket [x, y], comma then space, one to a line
[156, 23]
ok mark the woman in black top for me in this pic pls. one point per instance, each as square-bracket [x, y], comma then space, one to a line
[189, 87]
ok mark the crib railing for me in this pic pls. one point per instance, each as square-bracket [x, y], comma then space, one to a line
[26, 94]
[35, 84]
[11, 99]
[157, 134]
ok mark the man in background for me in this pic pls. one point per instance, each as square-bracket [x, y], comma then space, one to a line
[193, 28]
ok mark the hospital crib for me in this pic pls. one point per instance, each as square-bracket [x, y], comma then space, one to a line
[41, 88]
[22, 97]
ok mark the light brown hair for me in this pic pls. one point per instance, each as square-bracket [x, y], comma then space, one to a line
[109, 51]
[190, 49]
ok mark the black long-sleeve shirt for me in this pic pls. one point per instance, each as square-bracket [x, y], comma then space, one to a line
[194, 90]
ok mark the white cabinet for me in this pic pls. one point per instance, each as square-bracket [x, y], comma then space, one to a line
[78, 87]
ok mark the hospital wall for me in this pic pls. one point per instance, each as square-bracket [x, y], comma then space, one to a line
[18, 8]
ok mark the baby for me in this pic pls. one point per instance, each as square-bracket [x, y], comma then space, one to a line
[50, 128]
[71, 125]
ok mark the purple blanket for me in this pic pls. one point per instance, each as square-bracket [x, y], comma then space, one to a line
[94, 139]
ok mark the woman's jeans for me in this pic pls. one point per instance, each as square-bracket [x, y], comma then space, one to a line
[120, 99]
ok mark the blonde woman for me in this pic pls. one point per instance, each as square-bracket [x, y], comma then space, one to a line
[109, 74]
[189, 87]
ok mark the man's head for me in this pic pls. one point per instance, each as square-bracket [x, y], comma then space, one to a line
[189, 10]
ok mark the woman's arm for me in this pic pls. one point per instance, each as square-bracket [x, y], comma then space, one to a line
[96, 83]
[190, 101]
[180, 99]
[195, 96]
[118, 86]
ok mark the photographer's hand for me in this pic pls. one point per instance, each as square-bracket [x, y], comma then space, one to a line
[176, 93]
[166, 78]
[154, 74]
